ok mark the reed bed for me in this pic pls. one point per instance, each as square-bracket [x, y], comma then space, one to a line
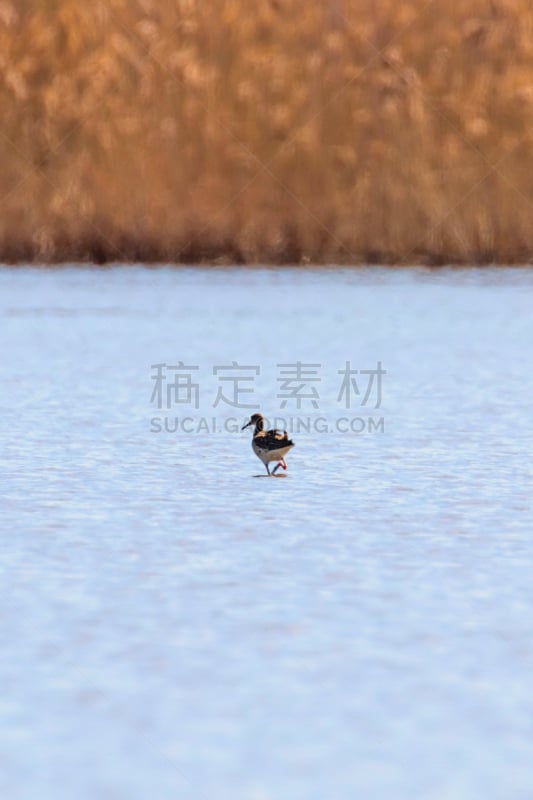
[301, 131]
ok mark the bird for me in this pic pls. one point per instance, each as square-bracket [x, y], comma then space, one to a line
[269, 445]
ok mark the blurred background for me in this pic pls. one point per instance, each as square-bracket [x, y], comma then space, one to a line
[283, 131]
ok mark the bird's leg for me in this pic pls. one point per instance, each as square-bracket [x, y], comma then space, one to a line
[267, 468]
[275, 468]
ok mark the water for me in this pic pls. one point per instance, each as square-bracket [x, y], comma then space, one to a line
[173, 627]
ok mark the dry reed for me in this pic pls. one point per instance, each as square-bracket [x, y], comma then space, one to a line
[391, 131]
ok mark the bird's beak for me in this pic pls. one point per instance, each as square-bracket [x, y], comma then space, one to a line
[247, 425]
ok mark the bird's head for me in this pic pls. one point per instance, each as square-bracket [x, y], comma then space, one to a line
[254, 419]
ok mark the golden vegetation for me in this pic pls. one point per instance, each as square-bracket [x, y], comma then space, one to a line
[392, 131]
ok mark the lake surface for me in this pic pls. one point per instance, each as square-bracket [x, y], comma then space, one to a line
[174, 627]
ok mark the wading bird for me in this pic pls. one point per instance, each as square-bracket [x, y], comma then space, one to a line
[269, 445]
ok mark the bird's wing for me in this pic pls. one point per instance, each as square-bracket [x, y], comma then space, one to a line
[272, 440]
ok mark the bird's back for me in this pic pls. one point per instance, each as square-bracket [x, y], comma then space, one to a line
[273, 440]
